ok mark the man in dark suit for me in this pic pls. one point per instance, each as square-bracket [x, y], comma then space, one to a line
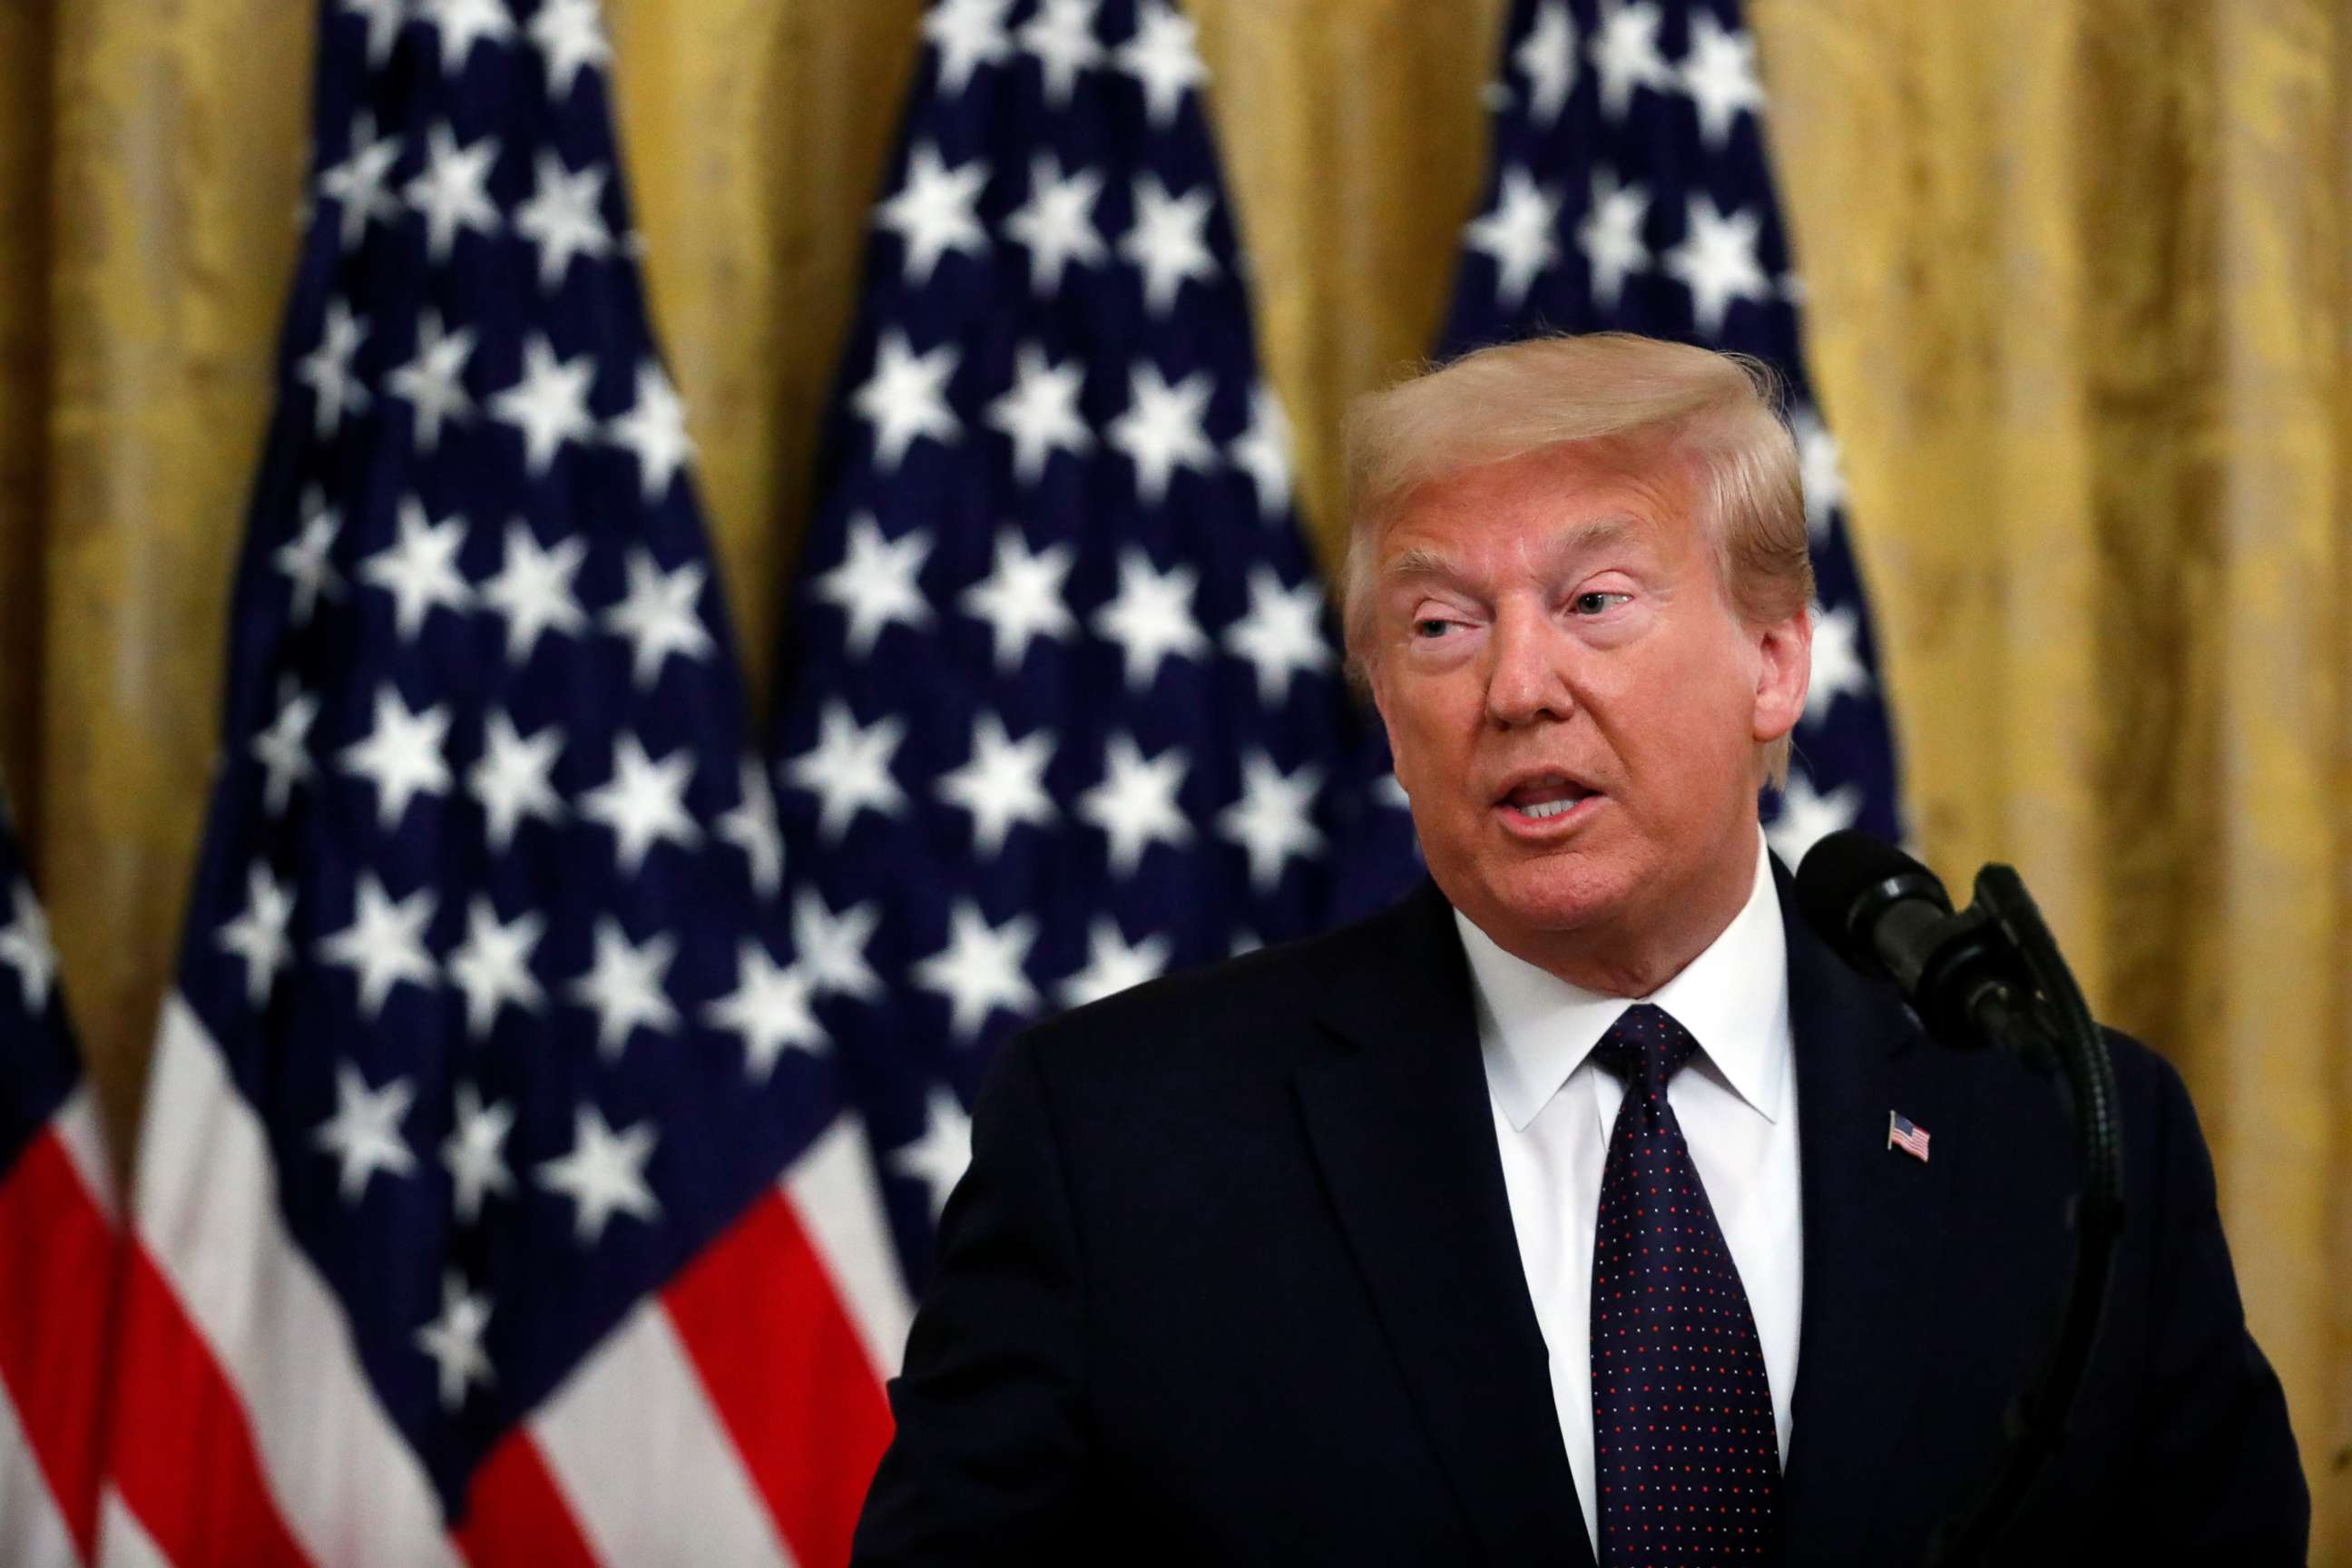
[1554, 1216]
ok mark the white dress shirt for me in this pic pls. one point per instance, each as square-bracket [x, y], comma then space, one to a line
[1737, 1101]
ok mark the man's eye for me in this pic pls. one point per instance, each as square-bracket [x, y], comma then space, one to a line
[1596, 603]
[1430, 627]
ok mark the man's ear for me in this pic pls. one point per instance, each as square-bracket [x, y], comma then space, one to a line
[1784, 669]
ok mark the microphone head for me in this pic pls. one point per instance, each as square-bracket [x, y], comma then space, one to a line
[1847, 878]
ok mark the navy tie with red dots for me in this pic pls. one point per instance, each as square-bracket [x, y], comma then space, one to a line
[1684, 1446]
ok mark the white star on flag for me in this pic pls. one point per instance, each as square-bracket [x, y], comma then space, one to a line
[492, 966]
[433, 382]
[768, 1011]
[1548, 56]
[475, 1152]
[1263, 452]
[357, 183]
[905, 398]
[938, 1157]
[1057, 223]
[875, 583]
[402, 756]
[1003, 783]
[623, 986]
[550, 405]
[1040, 412]
[967, 34]
[848, 769]
[933, 212]
[383, 19]
[832, 947]
[257, 935]
[644, 802]
[384, 943]
[564, 218]
[1625, 54]
[1807, 818]
[26, 947]
[660, 617]
[453, 191]
[1838, 669]
[603, 1174]
[364, 1135]
[570, 35]
[1021, 598]
[1150, 617]
[454, 1341]
[1061, 38]
[1517, 234]
[1167, 241]
[306, 560]
[1716, 262]
[533, 590]
[283, 750]
[1719, 74]
[1163, 59]
[653, 430]
[464, 23]
[1821, 469]
[327, 370]
[980, 970]
[1135, 804]
[1272, 819]
[1611, 236]
[1161, 431]
[1113, 964]
[1281, 634]
[750, 825]
[512, 779]
[420, 568]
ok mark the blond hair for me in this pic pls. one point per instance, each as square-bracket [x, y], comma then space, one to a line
[1719, 412]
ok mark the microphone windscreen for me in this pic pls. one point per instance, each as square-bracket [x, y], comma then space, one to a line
[1839, 872]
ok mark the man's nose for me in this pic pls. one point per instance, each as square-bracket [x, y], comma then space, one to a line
[1529, 676]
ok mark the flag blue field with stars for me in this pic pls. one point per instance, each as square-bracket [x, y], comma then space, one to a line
[1630, 190]
[485, 984]
[1064, 709]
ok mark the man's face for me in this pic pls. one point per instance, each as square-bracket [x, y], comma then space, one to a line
[1574, 706]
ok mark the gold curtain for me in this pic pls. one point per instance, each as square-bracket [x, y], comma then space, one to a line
[2080, 272]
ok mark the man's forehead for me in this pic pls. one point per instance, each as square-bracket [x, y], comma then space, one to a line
[1414, 549]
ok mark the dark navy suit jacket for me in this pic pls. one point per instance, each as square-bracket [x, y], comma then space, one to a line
[1232, 1279]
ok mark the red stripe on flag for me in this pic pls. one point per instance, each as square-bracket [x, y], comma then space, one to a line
[787, 1374]
[183, 1453]
[57, 1252]
[515, 1515]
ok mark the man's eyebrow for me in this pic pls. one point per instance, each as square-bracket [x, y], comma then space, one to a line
[1420, 560]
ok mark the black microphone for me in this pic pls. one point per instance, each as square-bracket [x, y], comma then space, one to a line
[1887, 914]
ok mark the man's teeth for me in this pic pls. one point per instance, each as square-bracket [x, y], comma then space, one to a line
[1550, 807]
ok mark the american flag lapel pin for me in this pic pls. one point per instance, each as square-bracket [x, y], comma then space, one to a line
[1902, 1134]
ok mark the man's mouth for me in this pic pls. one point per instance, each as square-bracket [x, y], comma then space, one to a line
[1545, 797]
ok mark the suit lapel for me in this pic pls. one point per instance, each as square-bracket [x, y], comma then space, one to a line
[1399, 1125]
[1873, 1217]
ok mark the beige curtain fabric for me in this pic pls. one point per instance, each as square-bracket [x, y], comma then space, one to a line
[2080, 272]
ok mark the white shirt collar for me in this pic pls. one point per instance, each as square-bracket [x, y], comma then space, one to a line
[1733, 999]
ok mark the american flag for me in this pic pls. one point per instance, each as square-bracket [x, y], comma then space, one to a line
[56, 1249]
[1901, 1134]
[1630, 190]
[1066, 709]
[494, 1200]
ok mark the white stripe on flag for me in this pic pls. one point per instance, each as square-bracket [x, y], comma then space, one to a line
[83, 1138]
[348, 1485]
[122, 1541]
[32, 1532]
[832, 1188]
[650, 1474]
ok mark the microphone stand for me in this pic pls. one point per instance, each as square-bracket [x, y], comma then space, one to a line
[2044, 1019]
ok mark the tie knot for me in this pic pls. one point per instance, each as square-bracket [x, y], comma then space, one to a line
[1645, 1046]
